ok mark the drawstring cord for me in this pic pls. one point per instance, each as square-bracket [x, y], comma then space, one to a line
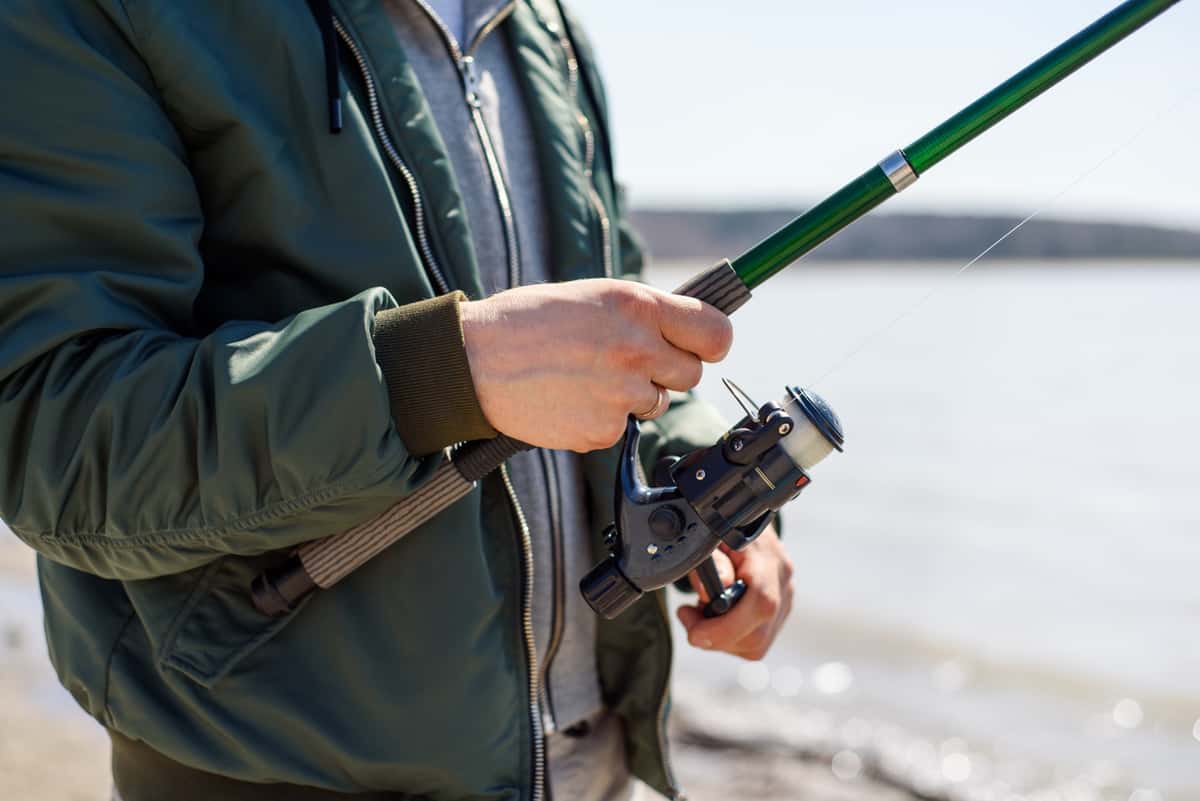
[323, 14]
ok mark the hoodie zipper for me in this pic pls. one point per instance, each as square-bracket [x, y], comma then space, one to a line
[531, 658]
[465, 62]
[376, 112]
[589, 147]
[466, 68]
[465, 65]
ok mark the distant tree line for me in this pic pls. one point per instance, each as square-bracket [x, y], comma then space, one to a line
[697, 235]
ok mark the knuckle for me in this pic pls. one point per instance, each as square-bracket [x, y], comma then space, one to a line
[719, 339]
[769, 604]
[788, 569]
[631, 300]
[630, 354]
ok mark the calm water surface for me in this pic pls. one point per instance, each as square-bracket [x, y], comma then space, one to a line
[1004, 560]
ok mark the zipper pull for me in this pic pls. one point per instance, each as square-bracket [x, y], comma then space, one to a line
[470, 78]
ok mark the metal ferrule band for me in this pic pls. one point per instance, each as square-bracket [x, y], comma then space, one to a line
[898, 171]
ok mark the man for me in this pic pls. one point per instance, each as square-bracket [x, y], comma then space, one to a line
[251, 286]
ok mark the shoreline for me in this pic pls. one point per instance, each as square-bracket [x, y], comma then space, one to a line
[729, 736]
[44, 725]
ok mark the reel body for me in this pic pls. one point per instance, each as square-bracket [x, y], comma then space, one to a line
[725, 493]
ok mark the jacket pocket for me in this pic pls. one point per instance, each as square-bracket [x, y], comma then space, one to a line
[218, 625]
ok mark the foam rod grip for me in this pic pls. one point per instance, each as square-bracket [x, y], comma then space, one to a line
[475, 460]
[720, 287]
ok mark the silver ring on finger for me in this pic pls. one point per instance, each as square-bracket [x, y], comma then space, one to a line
[660, 405]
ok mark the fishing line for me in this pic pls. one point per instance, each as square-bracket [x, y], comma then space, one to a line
[940, 285]
[766, 461]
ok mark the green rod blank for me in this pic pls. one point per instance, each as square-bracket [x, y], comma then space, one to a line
[856, 199]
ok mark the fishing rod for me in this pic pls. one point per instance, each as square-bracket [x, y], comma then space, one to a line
[728, 492]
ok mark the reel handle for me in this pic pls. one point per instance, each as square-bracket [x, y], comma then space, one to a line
[721, 599]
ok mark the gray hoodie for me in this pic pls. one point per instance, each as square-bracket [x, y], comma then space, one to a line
[585, 746]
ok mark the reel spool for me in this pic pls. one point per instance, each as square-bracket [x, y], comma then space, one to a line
[724, 493]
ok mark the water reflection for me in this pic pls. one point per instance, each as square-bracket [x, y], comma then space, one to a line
[1127, 713]
[846, 765]
[787, 681]
[950, 676]
[833, 678]
[754, 677]
[812, 714]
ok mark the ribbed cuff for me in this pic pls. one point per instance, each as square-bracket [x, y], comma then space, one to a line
[421, 352]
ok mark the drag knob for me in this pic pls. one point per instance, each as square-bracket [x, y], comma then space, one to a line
[607, 591]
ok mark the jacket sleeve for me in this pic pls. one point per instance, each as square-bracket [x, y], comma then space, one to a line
[130, 445]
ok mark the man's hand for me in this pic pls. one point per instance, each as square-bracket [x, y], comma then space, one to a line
[563, 365]
[750, 628]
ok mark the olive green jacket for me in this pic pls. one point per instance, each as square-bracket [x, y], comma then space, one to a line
[212, 350]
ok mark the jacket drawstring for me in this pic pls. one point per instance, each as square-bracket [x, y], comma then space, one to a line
[323, 14]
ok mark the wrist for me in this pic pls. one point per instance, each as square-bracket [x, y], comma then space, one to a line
[471, 318]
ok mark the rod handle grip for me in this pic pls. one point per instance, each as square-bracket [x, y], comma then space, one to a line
[277, 591]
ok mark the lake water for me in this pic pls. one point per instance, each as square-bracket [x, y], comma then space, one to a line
[997, 596]
[1000, 574]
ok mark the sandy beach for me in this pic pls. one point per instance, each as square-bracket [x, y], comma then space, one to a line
[51, 751]
[48, 748]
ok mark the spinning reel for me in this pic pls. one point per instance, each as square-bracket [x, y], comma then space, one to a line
[724, 493]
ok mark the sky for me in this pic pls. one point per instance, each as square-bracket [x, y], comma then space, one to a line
[763, 102]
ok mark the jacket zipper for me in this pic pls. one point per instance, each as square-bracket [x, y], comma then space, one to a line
[589, 146]
[465, 62]
[466, 68]
[572, 60]
[535, 715]
[393, 155]
[558, 607]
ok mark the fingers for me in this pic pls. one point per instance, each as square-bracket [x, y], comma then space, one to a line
[729, 630]
[563, 365]
[694, 326]
[658, 367]
[674, 368]
[641, 349]
[690, 617]
[655, 408]
[750, 628]
[664, 338]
